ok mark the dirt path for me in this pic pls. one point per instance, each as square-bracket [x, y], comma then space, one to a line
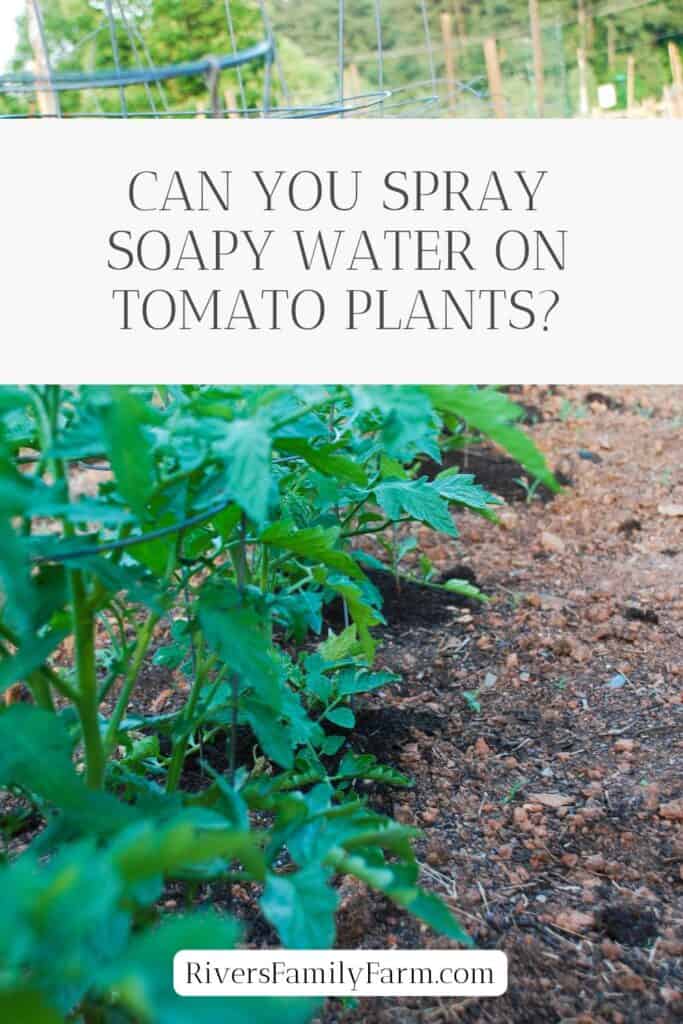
[553, 813]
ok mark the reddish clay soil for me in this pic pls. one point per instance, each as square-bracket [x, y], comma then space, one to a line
[552, 816]
[551, 797]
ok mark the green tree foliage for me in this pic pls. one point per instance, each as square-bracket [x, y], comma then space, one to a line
[641, 30]
[171, 31]
[147, 32]
[194, 29]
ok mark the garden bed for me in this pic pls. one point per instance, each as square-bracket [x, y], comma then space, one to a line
[544, 812]
[539, 730]
[586, 896]
[548, 814]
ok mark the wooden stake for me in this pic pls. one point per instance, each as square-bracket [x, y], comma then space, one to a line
[230, 103]
[352, 86]
[584, 102]
[590, 27]
[48, 102]
[449, 55]
[676, 65]
[677, 76]
[460, 23]
[582, 25]
[537, 42]
[495, 77]
[630, 82]
[214, 95]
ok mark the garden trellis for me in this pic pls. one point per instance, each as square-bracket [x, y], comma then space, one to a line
[344, 58]
[43, 88]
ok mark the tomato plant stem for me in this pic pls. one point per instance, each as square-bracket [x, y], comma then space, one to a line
[137, 657]
[234, 698]
[180, 748]
[84, 634]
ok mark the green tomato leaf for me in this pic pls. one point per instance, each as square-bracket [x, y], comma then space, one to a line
[61, 921]
[419, 499]
[27, 1007]
[339, 646]
[29, 658]
[407, 423]
[325, 460]
[365, 766]
[239, 635]
[132, 580]
[398, 880]
[491, 413]
[461, 489]
[315, 543]
[343, 717]
[129, 447]
[192, 838]
[245, 449]
[141, 979]
[362, 613]
[352, 680]
[21, 598]
[331, 745]
[433, 911]
[302, 906]
[273, 736]
[26, 730]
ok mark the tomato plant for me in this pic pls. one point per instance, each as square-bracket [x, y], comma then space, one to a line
[222, 524]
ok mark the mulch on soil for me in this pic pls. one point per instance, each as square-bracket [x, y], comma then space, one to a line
[551, 817]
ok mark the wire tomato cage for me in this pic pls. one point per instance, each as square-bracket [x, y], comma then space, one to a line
[339, 58]
[254, 78]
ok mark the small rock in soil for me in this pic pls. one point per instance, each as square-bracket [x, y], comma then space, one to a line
[575, 921]
[672, 811]
[552, 800]
[481, 748]
[630, 982]
[552, 543]
[670, 510]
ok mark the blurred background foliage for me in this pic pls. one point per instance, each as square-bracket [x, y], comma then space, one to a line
[415, 39]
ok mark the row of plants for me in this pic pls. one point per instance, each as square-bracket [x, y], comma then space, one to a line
[227, 531]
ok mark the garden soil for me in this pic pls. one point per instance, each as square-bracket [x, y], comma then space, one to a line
[541, 731]
[551, 796]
